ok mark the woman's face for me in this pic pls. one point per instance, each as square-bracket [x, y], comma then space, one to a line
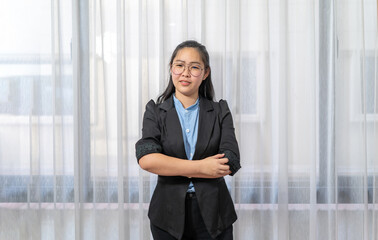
[185, 83]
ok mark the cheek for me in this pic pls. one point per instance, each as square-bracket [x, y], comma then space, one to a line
[174, 78]
[198, 81]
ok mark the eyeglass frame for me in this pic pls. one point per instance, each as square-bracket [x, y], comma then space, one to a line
[189, 70]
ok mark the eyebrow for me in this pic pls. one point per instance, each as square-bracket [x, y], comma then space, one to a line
[189, 63]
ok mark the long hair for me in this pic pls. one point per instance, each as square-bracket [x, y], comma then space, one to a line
[206, 88]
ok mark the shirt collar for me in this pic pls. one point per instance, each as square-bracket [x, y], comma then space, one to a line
[179, 105]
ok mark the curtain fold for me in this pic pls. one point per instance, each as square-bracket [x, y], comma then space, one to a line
[300, 78]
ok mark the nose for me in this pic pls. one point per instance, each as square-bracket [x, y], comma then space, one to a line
[186, 72]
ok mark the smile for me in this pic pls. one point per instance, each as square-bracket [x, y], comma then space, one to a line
[184, 83]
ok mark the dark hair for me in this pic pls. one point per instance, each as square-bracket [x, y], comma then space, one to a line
[206, 88]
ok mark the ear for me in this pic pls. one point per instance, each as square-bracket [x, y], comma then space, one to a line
[207, 72]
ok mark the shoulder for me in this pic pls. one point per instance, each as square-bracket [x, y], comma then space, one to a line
[221, 107]
[151, 104]
[223, 104]
[151, 110]
[154, 106]
[159, 109]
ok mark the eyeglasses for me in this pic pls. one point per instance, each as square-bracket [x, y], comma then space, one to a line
[194, 70]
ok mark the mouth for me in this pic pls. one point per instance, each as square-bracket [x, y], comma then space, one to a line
[184, 82]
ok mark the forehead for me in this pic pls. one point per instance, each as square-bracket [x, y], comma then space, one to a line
[188, 55]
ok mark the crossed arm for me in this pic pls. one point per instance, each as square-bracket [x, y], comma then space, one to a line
[210, 167]
[150, 158]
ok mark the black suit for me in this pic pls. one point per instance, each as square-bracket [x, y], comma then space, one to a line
[162, 133]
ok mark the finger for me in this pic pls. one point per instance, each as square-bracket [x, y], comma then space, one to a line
[223, 160]
[224, 172]
[224, 167]
[219, 155]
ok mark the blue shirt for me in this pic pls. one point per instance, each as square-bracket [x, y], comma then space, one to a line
[189, 124]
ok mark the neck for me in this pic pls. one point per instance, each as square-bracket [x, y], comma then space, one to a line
[187, 101]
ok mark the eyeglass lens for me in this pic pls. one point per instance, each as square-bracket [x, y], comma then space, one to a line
[194, 70]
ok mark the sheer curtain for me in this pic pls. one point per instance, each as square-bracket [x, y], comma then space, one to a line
[300, 78]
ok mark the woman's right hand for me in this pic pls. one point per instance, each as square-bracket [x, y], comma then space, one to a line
[215, 166]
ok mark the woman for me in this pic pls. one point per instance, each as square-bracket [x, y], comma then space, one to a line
[191, 199]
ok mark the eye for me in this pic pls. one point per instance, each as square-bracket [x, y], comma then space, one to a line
[196, 67]
[179, 65]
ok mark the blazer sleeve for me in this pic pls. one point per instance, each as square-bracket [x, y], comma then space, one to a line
[228, 143]
[150, 141]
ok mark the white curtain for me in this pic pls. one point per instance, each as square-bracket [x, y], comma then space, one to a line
[300, 78]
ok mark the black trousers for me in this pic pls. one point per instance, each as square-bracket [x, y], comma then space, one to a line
[195, 228]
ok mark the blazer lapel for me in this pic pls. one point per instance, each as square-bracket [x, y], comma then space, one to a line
[205, 126]
[173, 127]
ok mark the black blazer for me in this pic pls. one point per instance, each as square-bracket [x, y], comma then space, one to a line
[162, 133]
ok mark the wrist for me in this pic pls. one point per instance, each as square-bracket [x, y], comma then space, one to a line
[195, 169]
[199, 167]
